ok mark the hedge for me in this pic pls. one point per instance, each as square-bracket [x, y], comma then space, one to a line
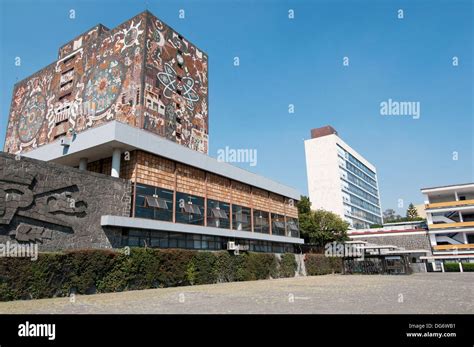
[468, 267]
[454, 267]
[451, 267]
[319, 264]
[101, 271]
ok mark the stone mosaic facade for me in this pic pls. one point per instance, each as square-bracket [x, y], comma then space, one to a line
[141, 73]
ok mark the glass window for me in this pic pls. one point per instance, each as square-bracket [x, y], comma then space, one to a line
[218, 214]
[292, 227]
[241, 218]
[189, 209]
[260, 220]
[278, 224]
[153, 203]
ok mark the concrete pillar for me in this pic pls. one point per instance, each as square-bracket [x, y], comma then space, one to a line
[83, 164]
[460, 267]
[442, 266]
[116, 156]
[464, 236]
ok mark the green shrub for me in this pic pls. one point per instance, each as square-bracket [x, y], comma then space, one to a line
[201, 269]
[288, 265]
[319, 264]
[451, 267]
[258, 266]
[15, 279]
[98, 271]
[468, 267]
[148, 268]
[226, 266]
[85, 269]
[336, 264]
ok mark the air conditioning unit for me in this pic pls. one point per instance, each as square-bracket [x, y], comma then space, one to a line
[231, 246]
[65, 141]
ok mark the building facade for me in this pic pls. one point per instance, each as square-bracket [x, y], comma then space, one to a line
[147, 88]
[450, 218]
[141, 73]
[340, 180]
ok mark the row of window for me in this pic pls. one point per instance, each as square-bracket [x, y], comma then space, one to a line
[346, 155]
[361, 166]
[157, 203]
[356, 190]
[361, 174]
[352, 211]
[164, 239]
[357, 181]
[363, 204]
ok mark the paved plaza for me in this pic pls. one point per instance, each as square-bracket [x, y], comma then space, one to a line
[419, 293]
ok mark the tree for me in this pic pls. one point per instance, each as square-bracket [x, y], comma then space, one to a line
[412, 213]
[304, 205]
[320, 227]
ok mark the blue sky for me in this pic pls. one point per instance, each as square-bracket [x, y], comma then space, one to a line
[299, 62]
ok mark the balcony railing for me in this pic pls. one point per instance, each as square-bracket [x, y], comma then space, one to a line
[449, 204]
[454, 247]
[451, 225]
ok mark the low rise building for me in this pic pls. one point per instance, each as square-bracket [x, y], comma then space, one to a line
[450, 218]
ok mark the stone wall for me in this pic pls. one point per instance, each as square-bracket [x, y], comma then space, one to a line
[415, 241]
[58, 207]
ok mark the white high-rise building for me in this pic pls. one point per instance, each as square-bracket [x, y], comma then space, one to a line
[340, 180]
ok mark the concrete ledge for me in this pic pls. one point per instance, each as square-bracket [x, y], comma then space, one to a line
[141, 223]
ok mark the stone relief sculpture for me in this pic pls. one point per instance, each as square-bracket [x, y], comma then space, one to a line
[37, 205]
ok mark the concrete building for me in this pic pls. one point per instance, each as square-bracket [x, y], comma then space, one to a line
[450, 218]
[131, 103]
[340, 180]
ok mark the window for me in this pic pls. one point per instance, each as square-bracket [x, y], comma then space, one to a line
[65, 96]
[153, 203]
[67, 60]
[241, 218]
[218, 214]
[278, 224]
[165, 239]
[189, 209]
[67, 76]
[260, 220]
[292, 227]
[65, 86]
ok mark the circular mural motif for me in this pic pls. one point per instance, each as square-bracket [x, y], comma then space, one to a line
[104, 83]
[31, 117]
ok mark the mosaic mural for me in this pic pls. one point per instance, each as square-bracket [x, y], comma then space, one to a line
[176, 93]
[141, 73]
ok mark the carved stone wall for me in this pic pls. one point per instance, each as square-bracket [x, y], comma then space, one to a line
[56, 206]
